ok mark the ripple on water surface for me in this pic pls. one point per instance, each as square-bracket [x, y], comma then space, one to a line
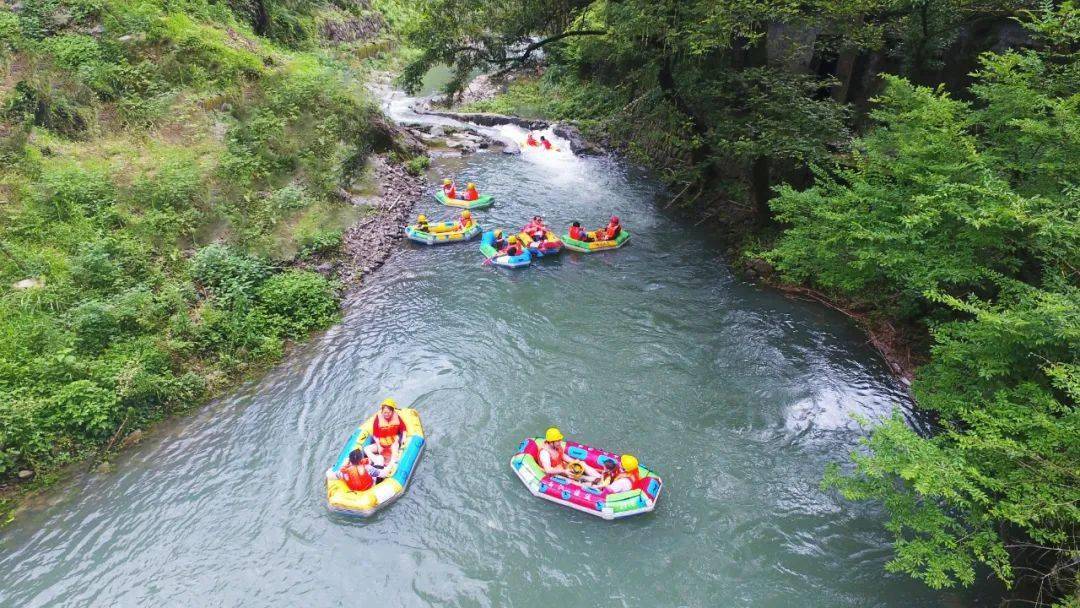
[737, 396]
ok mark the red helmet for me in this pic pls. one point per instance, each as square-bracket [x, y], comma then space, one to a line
[614, 219]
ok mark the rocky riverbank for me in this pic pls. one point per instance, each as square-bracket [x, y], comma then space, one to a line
[367, 243]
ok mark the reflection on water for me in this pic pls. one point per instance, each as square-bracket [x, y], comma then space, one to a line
[737, 396]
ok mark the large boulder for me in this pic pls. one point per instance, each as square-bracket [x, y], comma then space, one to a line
[578, 144]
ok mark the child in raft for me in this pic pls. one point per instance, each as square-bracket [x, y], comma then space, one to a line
[466, 220]
[513, 247]
[470, 192]
[578, 233]
[448, 188]
[422, 223]
[536, 228]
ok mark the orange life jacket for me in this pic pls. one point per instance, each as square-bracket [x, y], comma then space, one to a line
[555, 455]
[357, 477]
[530, 140]
[578, 233]
[386, 432]
[450, 191]
[471, 194]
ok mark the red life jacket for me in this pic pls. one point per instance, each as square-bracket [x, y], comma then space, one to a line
[555, 455]
[471, 194]
[450, 191]
[386, 432]
[578, 233]
[613, 231]
[357, 478]
[530, 140]
[547, 144]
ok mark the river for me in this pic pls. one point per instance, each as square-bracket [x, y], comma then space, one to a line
[736, 395]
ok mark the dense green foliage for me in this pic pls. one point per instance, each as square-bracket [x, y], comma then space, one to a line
[956, 208]
[966, 215]
[722, 98]
[163, 165]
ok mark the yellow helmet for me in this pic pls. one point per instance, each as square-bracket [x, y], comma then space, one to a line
[390, 403]
[553, 434]
[421, 218]
[629, 463]
[498, 233]
[466, 213]
[470, 186]
[446, 182]
[513, 239]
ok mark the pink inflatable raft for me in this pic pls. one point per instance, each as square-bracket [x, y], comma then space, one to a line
[567, 492]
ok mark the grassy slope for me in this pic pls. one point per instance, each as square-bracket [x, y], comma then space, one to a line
[163, 168]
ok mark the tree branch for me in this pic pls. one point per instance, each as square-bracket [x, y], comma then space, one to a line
[540, 43]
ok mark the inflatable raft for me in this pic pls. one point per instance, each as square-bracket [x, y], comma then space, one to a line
[485, 200]
[340, 499]
[439, 233]
[550, 245]
[594, 246]
[487, 247]
[569, 493]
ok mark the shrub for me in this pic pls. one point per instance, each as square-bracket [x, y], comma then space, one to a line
[70, 190]
[85, 409]
[298, 301]
[229, 275]
[95, 325]
[315, 241]
[417, 165]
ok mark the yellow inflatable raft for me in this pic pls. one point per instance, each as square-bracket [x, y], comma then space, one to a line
[340, 499]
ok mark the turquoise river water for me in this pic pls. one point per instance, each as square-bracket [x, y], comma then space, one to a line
[736, 395]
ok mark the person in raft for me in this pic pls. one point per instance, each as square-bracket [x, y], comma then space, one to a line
[448, 188]
[388, 430]
[629, 478]
[466, 219]
[544, 142]
[611, 231]
[578, 233]
[529, 139]
[470, 192]
[422, 223]
[608, 475]
[536, 228]
[513, 247]
[499, 243]
[357, 472]
[554, 461]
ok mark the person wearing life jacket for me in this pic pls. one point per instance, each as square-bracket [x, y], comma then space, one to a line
[355, 473]
[422, 223]
[388, 431]
[538, 229]
[552, 458]
[613, 229]
[529, 139]
[466, 219]
[630, 476]
[470, 192]
[448, 188]
[513, 246]
[544, 142]
[578, 233]
[499, 243]
[608, 475]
